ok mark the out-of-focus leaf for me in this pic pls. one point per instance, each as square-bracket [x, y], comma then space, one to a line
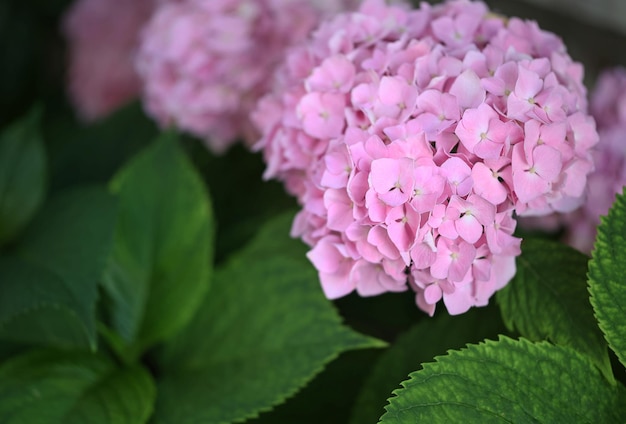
[49, 286]
[61, 387]
[163, 249]
[22, 175]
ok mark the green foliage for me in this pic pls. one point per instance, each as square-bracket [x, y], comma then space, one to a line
[63, 387]
[22, 175]
[607, 274]
[163, 249]
[116, 286]
[263, 331]
[49, 284]
[421, 344]
[510, 382]
[37, 307]
[326, 399]
[238, 169]
[548, 299]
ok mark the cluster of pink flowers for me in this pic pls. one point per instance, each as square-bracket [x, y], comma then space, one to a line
[410, 137]
[608, 106]
[102, 39]
[205, 63]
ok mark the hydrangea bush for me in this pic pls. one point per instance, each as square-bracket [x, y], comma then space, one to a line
[411, 137]
[145, 278]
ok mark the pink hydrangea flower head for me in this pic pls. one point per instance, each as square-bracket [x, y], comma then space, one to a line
[411, 137]
[102, 38]
[205, 63]
[608, 106]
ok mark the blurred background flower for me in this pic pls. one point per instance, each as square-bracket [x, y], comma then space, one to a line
[204, 63]
[103, 37]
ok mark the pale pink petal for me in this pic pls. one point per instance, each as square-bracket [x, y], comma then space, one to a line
[487, 184]
[378, 237]
[469, 228]
[468, 90]
[322, 114]
[462, 259]
[547, 162]
[325, 256]
[336, 73]
[392, 179]
[460, 301]
[433, 294]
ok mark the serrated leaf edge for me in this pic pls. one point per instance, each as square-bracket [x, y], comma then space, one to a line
[601, 241]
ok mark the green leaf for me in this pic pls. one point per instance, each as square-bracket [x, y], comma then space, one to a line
[22, 175]
[51, 387]
[508, 381]
[124, 396]
[548, 299]
[263, 332]
[329, 396]
[163, 249]
[37, 307]
[607, 274]
[420, 344]
[49, 287]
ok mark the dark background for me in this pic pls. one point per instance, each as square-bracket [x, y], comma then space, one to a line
[32, 50]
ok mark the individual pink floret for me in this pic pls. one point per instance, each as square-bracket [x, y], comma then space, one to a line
[205, 63]
[102, 37]
[412, 137]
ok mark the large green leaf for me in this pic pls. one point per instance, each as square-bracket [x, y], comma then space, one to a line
[57, 387]
[508, 382]
[263, 332]
[22, 175]
[420, 344]
[49, 287]
[607, 277]
[163, 249]
[329, 396]
[548, 299]
[72, 236]
[38, 307]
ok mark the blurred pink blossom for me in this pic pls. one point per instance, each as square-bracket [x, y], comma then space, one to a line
[411, 137]
[102, 38]
[608, 106]
[205, 63]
